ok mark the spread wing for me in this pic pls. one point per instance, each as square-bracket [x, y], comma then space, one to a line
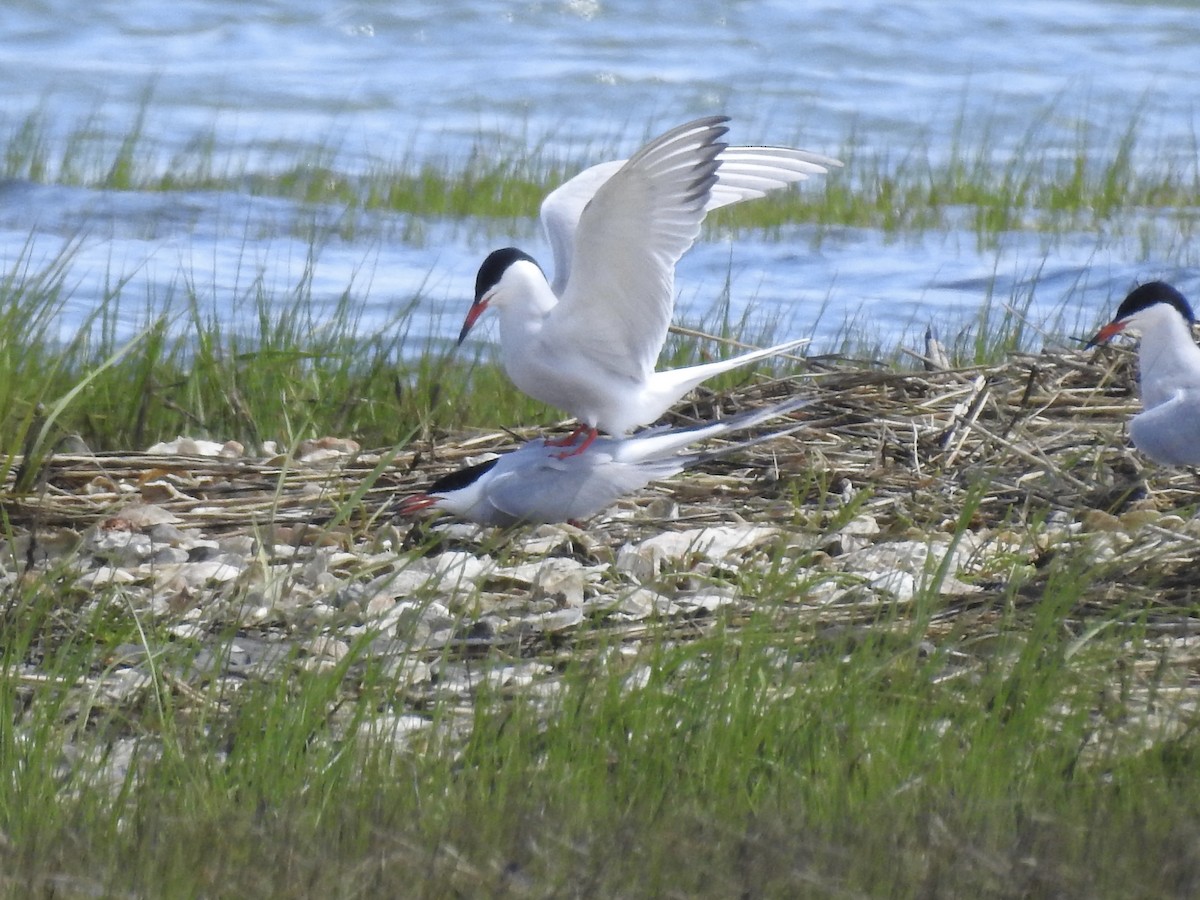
[561, 211]
[745, 173]
[617, 302]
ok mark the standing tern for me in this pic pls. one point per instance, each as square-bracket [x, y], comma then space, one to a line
[1168, 428]
[534, 485]
[588, 342]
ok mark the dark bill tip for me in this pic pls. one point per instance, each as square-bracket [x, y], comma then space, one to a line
[473, 315]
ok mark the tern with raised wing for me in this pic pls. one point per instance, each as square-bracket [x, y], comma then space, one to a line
[1168, 428]
[588, 342]
[534, 484]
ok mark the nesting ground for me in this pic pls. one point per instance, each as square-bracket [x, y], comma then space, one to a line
[961, 488]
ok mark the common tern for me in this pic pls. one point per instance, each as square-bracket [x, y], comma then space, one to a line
[1168, 428]
[534, 484]
[588, 342]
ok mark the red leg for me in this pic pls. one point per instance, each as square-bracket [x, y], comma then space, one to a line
[583, 445]
[569, 439]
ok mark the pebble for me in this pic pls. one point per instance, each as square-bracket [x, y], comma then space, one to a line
[105, 576]
[901, 568]
[643, 603]
[561, 580]
[186, 446]
[646, 559]
[277, 582]
[854, 535]
[325, 646]
[559, 620]
[399, 728]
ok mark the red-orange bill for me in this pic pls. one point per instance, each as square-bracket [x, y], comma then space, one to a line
[416, 503]
[473, 314]
[1108, 331]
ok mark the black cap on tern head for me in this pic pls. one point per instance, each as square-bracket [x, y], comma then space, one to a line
[461, 478]
[489, 274]
[1146, 295]
[495, 266]
[1143, 297]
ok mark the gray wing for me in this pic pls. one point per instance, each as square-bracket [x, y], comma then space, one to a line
[550, 490]
[1170, 432]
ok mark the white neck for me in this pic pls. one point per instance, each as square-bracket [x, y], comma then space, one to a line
[463, 500]
[1168, 357]
[523, 299]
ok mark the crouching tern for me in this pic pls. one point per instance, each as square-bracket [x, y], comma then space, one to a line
[587, 343]
[535, 485]
[1168, 428]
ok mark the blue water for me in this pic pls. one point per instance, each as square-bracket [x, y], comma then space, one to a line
[386, 83]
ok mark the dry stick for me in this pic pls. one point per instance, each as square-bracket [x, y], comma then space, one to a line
[916, 451]
[40, 678]
[935, 404]
[925, 360]
[973, 408]
[189, 692]
[1176, 536]
[1033, 458]
[234, 496]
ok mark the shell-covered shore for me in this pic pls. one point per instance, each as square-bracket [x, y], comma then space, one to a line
[963, 490]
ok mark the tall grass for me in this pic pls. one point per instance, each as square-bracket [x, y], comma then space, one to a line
[1042, 184]
[278, 370]
[278, 373]
[776, 757]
